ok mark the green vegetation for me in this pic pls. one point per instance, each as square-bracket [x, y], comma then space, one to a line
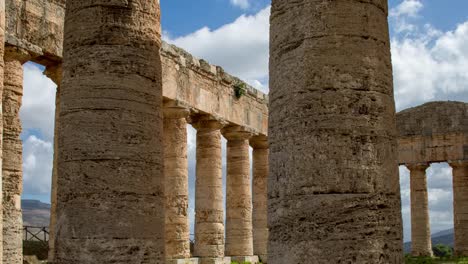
[240, 89]
[436, 260]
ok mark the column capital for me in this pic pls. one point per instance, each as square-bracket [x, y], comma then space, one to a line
[458, 163]
[259, 142]
[175, 110]
[54, 72]
[207, 122]
[237, 133]
[418, 166]
[13, 53]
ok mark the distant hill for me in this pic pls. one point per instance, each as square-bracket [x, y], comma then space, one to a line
[35, 213]
[443, 237]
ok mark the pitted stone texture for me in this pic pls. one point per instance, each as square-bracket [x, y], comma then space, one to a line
[177, 227]
[223, 260]
[12, 168]
[421, 244]
[460, 206]
[182, 261]
[239, 237]
[209, 208]
[334, 187]
[260, 179]
[2, 51]
[110, 195]
[54, 72]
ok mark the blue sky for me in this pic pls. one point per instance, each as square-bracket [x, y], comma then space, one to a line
[429, 54]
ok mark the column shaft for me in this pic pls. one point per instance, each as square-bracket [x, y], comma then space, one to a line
[460, 206]
[12, 167]
[209, 209]
[260, 178]
[110, 185]
[2, 51]
[239, 237]
[333, 191]
[421, 244]
[176, 183]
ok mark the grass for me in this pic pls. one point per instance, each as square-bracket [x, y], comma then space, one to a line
[429, 260]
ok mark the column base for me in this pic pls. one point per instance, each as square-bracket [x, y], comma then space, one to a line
[224, 260]
[182, 261]
[242, 259]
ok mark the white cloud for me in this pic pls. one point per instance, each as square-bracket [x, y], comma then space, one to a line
[244, 4]
[38, 109]
[241, 47]
[431, 65]
[409, 8]
[37, 165]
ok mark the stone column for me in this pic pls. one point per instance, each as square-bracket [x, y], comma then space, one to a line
[54, 72]
[2, 47]
[12, 167]
[209, 208]
[110, 185]
[333, 191]
[260, 178]
[239, 237]
[176, 183]
[460, 206]
[421, 244]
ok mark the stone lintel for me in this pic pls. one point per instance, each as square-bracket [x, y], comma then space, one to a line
[259, 142]
[418, 166]
[16, 53]
[237, 132]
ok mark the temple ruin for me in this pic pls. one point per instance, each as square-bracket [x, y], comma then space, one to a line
[123, 105]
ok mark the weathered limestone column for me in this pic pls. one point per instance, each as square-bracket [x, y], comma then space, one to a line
[54, 72]
[260, 178]
[421, 244]
[333, 191]
[176, 182]
[110, 185]
[2, 49]
[12, 167]
[239, 237]
[209, 208]
[460, 206]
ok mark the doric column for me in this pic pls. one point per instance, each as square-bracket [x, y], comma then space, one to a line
[209, 208]
[110, 184]
[333, 188]
[12, 167]
[421, 244]
[260, 178]
[2, 47]
[239, 237]
[176, 182]
[460, 206]
[54, 72]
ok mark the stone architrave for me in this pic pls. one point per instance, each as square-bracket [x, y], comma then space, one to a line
[176, 183]
[333, 191]
[54, 72]
[259, 193]
[460, 206]
[421, 244]
[209, 208]
[12, 166]
[239, 237]
[110, 182]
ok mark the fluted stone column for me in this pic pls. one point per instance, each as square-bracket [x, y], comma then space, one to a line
[209, 208]
[176, 183]
[421, 244]
[2, 47]
[460, 206]
[12, 167]
[260, 178]
[54, 72]
[110, 185]
[333, 192]
[239, 237]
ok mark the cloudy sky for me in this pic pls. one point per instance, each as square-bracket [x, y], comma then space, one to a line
[429, 52]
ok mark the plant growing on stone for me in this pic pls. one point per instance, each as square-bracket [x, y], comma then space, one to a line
[239, 89]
